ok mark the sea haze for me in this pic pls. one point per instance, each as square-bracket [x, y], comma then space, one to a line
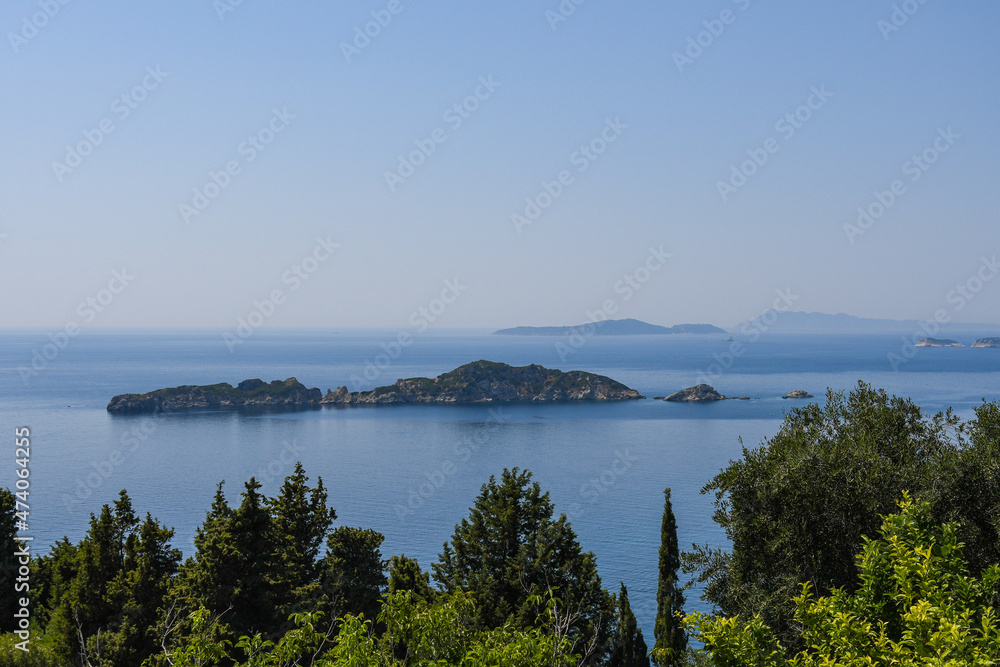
[411, 472]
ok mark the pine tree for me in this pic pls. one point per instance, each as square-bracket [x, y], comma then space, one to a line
[253, 538]
[405, 575]
[141, 586]
[671, 640]
[511, 553]
[208, 578]
[354, 572]
[301, 521]
[628, 648]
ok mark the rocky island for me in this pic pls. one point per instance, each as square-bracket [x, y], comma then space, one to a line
[937, 342]
[288, 393]
[478, 382]
[488, 382]
[798, 393]
[701, 393]
[987, 342]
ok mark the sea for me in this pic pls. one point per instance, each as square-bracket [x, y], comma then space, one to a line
[412, 472]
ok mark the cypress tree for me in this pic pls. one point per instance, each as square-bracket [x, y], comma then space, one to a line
[671, 640]
[628, 648]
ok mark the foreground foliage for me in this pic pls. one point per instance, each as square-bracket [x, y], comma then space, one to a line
[797, 508]
[914, 604]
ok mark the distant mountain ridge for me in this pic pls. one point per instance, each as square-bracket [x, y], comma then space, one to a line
[626, 327]
[775, 321]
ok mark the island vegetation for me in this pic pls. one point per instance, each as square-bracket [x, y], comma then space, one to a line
[864, 532]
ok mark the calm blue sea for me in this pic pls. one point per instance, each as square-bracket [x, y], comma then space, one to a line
[411, 472]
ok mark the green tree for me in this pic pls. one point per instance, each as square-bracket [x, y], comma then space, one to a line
[301, 520]
[208, 579]
[628, 648]
[796, 508]
[914, 603]
[354, 572]
[99, 600]
[141, 589]
[405, 575]
[511, 554]
[8, 562]
[440, 633]
[671, 640]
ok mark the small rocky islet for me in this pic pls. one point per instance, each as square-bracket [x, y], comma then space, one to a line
[703, 393]
[937, 342]
[477, 382]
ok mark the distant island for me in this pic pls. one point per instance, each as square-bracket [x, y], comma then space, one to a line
[477, 382]
[627, 327]
[488, 382]
[937, 342]
[987, 342]
[799, 322]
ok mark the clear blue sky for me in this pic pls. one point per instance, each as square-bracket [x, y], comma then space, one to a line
[655, 185]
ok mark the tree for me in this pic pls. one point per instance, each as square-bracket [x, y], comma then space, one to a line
[301, 520]
[354, 572]
[141, 588]
[440, 633]
[671, 640]
[99, 600]
[512, 556]
[628, 648]
[8, 561]
[208, 579]
[405, 575]
[914, 603]
[796, 509]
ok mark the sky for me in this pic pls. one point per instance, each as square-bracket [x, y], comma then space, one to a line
[377, 163]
